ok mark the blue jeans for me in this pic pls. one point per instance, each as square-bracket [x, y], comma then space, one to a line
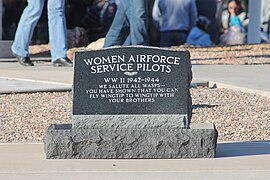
[130, 21]
[57, 28]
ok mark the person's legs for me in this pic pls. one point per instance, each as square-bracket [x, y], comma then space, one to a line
[172, 38]
[138, 18]
[166, 39]
[179, 38]
[57, 29]
[119, 29]
[28, 21]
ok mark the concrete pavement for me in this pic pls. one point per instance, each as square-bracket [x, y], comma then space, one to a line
[40, 72]
[15, 85]
[235, 160]
[247, 78]
[41, 77]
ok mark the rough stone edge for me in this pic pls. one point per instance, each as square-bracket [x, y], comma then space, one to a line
[130, 121]
[63, 142]
[215, 84]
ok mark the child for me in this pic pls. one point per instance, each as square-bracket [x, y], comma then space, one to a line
[198, 35]
[234, 32]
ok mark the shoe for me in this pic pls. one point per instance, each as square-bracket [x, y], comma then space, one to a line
[62, 62]
[25, 61]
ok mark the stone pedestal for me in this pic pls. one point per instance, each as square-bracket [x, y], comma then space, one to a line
[64, 142]
[131, 102]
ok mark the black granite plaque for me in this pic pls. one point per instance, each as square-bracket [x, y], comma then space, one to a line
[131, 80]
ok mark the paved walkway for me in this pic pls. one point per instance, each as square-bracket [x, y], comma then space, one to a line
[39, 72]
[249, 78]
[41, 77]
[236, 160]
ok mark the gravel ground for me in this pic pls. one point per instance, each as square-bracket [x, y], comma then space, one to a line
[237, 115]
[237, 54]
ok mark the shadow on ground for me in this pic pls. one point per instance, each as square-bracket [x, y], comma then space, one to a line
[247, 148]
[197, 106]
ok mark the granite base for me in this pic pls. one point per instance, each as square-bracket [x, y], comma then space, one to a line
[64, 142]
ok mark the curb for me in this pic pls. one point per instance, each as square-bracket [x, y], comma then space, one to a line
[214, 84]
[12, 59]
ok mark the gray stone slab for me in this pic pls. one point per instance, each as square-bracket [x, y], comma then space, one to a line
[12, 85]
[65, 142]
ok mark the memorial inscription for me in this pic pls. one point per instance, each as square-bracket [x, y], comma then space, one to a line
[131, 81]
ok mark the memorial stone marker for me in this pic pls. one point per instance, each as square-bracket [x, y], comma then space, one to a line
[131, 102]
[131, 84]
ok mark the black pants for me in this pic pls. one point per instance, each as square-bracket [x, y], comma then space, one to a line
[172, 38]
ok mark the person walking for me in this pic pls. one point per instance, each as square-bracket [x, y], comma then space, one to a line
[174, 19]
[57, 32]
[129, 25]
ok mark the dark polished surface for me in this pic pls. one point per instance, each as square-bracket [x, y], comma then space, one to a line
[141, 89]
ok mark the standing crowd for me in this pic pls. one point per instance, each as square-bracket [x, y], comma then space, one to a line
[190, 22]
[176, 22]
[206, 22]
